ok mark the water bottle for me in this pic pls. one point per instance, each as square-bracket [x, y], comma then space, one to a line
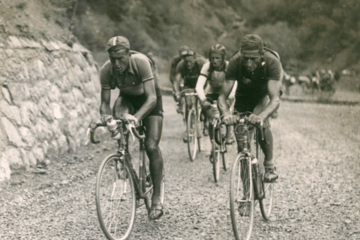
[257, 179]
[112, 127]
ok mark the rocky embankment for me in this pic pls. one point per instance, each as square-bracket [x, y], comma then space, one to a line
[49, 94]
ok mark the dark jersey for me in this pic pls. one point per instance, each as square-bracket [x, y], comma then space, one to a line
[252, 87]
[190, 76]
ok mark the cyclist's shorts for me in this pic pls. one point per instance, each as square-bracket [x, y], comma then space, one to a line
[211, 97]
[138, 101]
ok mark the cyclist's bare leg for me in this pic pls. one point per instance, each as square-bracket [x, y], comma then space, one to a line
[153, 125]
[122, 106]
[266, 144]
[230, 138]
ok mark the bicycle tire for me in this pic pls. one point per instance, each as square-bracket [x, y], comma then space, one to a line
[191, 132]
[267, 202]
[200, 128]
[215, 153]
[240, 197]
[116, 211]
[224, 151]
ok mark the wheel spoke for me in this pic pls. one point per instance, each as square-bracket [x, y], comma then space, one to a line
[115, 198]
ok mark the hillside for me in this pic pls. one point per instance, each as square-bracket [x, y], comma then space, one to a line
[321, 34]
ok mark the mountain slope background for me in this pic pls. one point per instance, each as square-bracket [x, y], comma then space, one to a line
[308, 34]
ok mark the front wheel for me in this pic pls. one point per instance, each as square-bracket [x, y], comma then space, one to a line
[242, 198]
[115, 198]
[224, 147]
[215, 155]
[191, 130]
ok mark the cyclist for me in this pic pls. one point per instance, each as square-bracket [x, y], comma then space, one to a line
[174, 62]
[209, 85]
[187, 70]
[139, 100]
[258, 72]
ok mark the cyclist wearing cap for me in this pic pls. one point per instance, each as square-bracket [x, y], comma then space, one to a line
[187, 70]
[210, 82]
[175, 61]
[139, 100]
[258, 74]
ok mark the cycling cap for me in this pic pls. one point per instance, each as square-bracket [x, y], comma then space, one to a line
[188, 52]
[183, 50]
[118, 41]
[251, 45]
[218, 48]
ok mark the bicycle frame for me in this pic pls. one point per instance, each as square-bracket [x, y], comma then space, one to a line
[123, 149]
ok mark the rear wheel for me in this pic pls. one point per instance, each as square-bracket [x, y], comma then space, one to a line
[191, 131]
[267, 202]
[241, 198]
[115, 198]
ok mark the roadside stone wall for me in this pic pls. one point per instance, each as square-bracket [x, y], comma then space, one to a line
[49, 93]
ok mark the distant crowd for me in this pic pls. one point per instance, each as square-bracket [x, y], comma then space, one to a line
[322, 80]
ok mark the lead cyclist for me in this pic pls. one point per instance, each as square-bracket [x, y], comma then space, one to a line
[258, 72]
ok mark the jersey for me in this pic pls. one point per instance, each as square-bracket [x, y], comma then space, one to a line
[252, 87]
[190, 76]
[215, 79]
[140, 70]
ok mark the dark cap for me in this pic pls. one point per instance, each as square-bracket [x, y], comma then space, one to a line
[118, 41]
[188, 52]
[251, 42]
[183, 49]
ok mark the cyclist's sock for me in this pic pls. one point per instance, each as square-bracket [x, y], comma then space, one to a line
[267, 146]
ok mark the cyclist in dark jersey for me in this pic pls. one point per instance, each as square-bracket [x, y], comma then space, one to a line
[139, 100]
[188, 70]
[174, 63]
[258, 74]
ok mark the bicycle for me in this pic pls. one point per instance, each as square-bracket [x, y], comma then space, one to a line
[247, 181]
[193, 123]
[119, 189]
[218, 143]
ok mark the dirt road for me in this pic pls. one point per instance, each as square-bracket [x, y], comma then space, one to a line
[317, 196]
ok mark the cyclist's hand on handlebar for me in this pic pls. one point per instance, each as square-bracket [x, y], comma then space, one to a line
[255, 119]
[131, 118]
[177, 96]
[229, 119]
[104, 118]
[206, 105]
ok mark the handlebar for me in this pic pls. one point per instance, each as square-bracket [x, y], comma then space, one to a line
[129, 125]
[244, 119]
[188, 92]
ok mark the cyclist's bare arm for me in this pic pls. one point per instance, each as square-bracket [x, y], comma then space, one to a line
[105, 102]
[200, 88]
[273, 92]
[224, 93]
[177, 83]
[233, 91]
[150, 103]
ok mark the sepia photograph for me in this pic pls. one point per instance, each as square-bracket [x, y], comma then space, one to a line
[179, 119]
